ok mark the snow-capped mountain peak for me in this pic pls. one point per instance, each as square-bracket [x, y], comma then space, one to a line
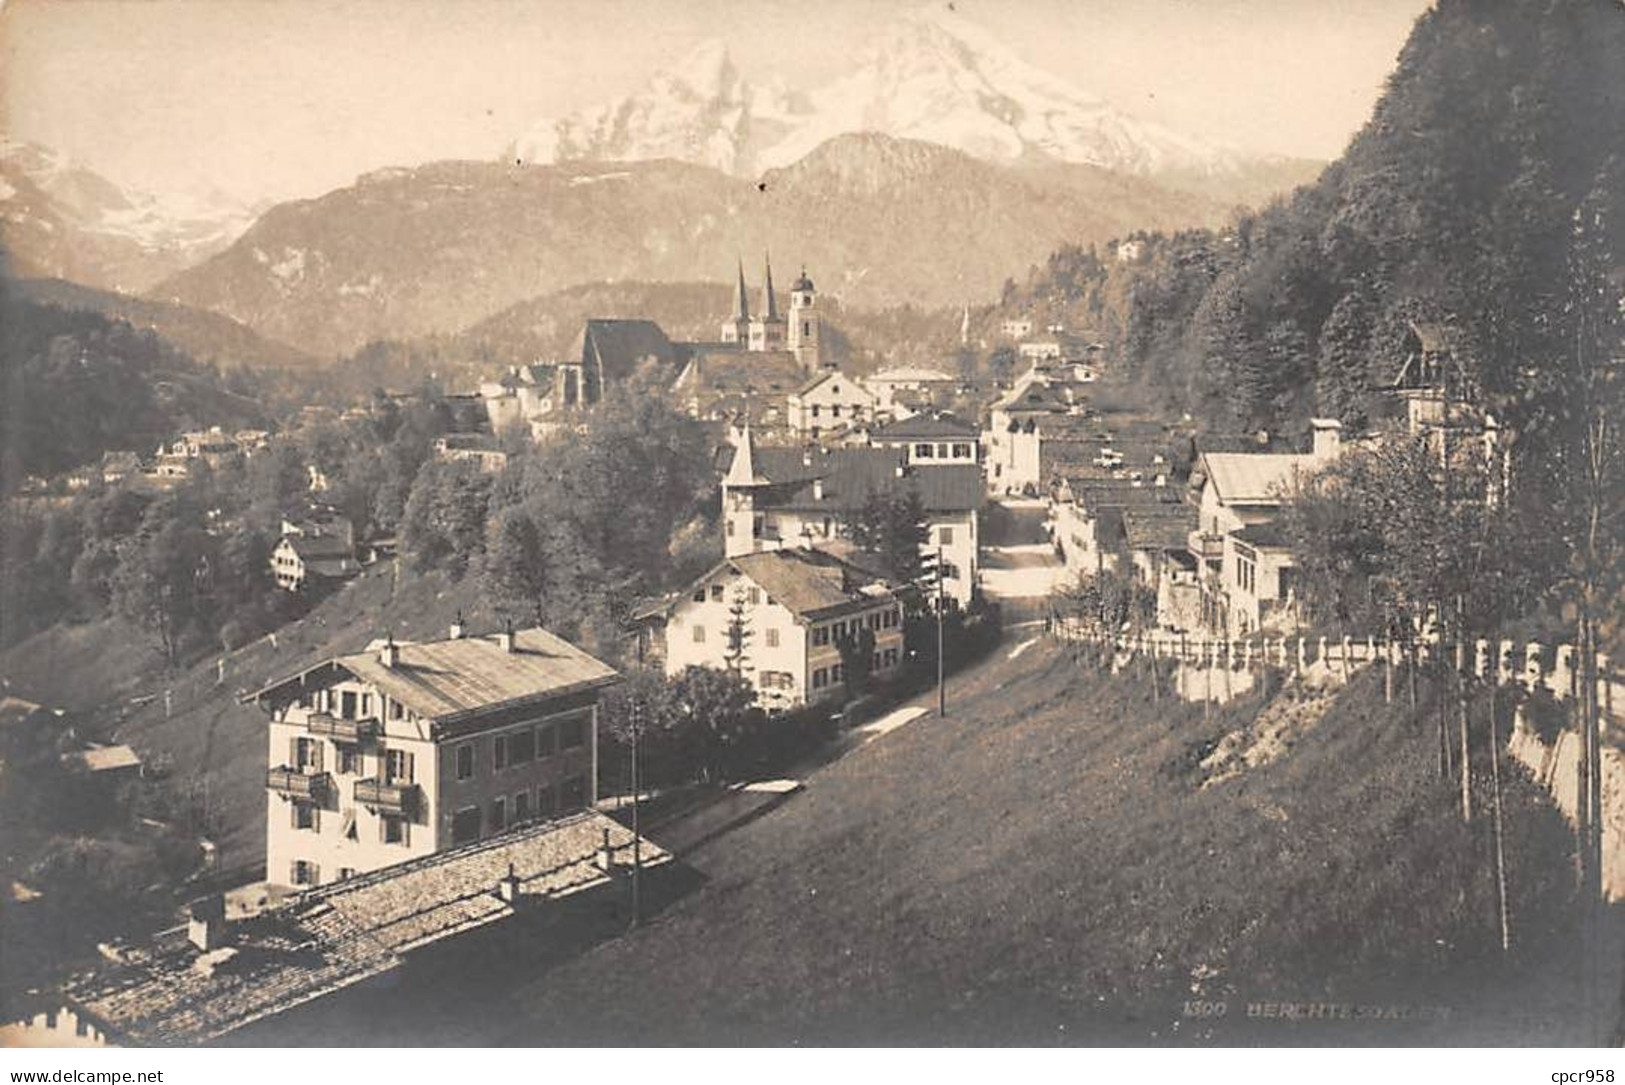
[930, 75]
[698, 110]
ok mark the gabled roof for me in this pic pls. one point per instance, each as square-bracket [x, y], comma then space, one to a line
[1032, 396]
[1251, 478]
[1158, 527]
[808, 583]
[849, 475]
[825, 376]
[618, 347]
[445, 679]
[312, 548]
[921, 427]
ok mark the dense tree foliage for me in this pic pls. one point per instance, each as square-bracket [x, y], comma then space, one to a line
[78, 384]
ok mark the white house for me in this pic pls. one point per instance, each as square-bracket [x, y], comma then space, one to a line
[781, 617]
[888, 382]
[829, 401]
[404, 750]
[1246, 564]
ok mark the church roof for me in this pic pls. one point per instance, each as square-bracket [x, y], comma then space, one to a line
[722, 368]
[618, 347]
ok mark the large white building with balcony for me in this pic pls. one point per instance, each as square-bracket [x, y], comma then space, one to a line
[409, 749]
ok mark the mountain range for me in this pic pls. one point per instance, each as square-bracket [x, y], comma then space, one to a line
[929, 75]
[60, 219]
[878, 221]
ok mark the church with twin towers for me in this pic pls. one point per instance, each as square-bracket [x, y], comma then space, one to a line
[768, 330]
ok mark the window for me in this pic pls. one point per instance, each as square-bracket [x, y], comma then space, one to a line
[820, 678]
[521, 807]
[821, 635]
[815, 410]
[962, 452]
[699, 634]
[465, 761]
[874, 620]
[465, 825]
[349, 760]
[398, 767]
[499, 814]
[922, 452]
[522, 747]
[699, 594]
[499, 752]
[392, 830]
[305, 816]
[307, 754]
[366, 706]
[835, 411]
[772, 638]
[347, 704]
[874, 662]
[574, 795]
[942, 452]
[346, 873]
[544, 801]
[396, 711]
[572, 733]
[716, 593]
[305, 872]
[950, 571]
[547, 740]
[945, 536]
[835, 673]
[753, 596]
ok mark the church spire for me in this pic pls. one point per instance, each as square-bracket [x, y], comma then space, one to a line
[742, 305]
[769, 306]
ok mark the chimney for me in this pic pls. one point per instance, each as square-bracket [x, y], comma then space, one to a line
[1328, 438]
[606, 855]
[206, 922]
[457, 627]
[818, 489]
[902, 470]
[390, 654]
[508, 886]
[505, 638]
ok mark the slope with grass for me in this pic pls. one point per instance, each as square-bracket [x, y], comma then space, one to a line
[1044, 866]
[213, 746]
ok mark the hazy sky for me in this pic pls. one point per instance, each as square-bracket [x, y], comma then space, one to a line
[280, 98]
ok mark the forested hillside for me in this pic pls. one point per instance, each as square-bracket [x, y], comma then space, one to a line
[1458, 202]
[78, 384]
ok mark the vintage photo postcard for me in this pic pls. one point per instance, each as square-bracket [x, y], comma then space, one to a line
[857, 524]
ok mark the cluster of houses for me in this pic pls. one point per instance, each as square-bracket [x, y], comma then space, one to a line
[1212, 549]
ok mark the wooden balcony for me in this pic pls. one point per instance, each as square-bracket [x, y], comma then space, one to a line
[341, 730]
[1207, 546]
[385, 797]
[295, 784]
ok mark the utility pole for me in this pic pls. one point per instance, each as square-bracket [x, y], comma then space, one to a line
[942, 674]
[637, 801]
